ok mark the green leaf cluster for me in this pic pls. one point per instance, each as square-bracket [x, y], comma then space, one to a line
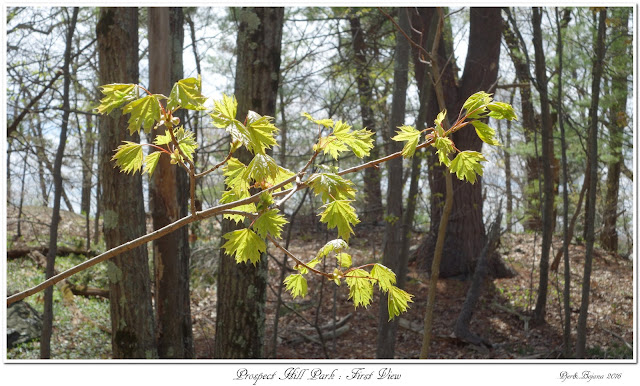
[342, 139]
[467, 165]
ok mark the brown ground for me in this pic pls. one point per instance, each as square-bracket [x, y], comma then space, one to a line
[501, 316]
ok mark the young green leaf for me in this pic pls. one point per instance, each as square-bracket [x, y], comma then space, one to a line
[332, 186]
[440, 117]
[187, 93]
[261, 168]
[233, 171]
[476, 104]
[340, 214]
[398, 301]
[145, 112]
[444, 146]
[235, 195]
[328, 123]
[224, 111]
[296, 284]
[187, 141]
[129, 157]
[359, 141]
[467, 165]
[386, 278]
[269, 222]
[411, 136]
[245, 245]
[116, 95]
[486, 133]
[150, 162]
[344, 259]
[500, 110]
[336, 245]
[360, 287]
[283, 175]
[261, 132]
[331, 145]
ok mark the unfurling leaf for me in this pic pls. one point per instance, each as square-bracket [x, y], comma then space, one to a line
[344, 259]
[116, 95]
[486, 133]
[360, 287]
[499, 110]
[129, 157]
[145, 112]
[296, 284]
[336, 245]
[328, 123]
[187, 142]
[476, 104]
[398, 301]
[270, 222]
[444, 146]
[412, 136]
[245, 245]
[386, 278]
[340, 214]
[467, 165]
[187, 93]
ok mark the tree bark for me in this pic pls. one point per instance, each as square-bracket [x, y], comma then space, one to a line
[168, 196]
[47, 318]
[466, 232]
[617, 122]
[598, 65]
[373, 211]
[393, 224]
[240, 320]
[132, 324]
[547, 155]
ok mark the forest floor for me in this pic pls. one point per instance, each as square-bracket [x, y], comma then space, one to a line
[501, 315]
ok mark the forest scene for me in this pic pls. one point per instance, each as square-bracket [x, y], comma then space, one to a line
[320, 183]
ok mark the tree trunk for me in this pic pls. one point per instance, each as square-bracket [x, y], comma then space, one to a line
[465, 233]
[168, 196]
[132, 324]
[617, 122]
[47, 318]
[547, 155]
[373, 211]
[598, 65]
[240, 320]
[393, 225]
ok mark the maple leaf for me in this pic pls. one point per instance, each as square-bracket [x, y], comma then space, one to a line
[145, 112]
[296, 284]
[269, 222]
[187, 93]
[360, 287]
[260, 132]
[224, 111]
[336, 245]
[116, 95]
[386, 278]
[486, 133]
[328, 123]
[261, 168]
[234, 195]
[340, 214]
[397, 301]
[129, 157]
[411, 136]
[233, 171]
[151, 161]
[332, 186]
[467, 165]
[245, 245]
